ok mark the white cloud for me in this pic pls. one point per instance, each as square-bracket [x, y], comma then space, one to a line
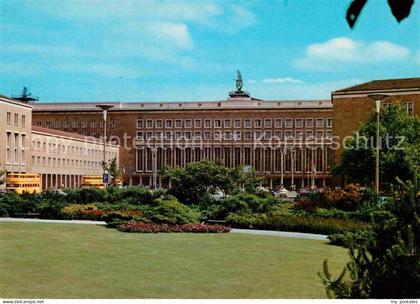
[252, 81]
[282, 80]
[338, 52]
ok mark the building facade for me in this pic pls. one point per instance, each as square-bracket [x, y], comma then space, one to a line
[288, 142]
[354, 106]
[15, 134]
[63, 158]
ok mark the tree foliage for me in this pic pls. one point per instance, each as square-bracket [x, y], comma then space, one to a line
[399, 8]
[191, 183]
[400, 148]
[386, 264]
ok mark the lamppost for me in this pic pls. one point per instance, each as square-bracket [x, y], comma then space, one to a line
[104, 109]
[378, 99]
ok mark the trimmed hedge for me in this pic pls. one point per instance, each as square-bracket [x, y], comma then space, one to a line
[155, 228]
[308, 224]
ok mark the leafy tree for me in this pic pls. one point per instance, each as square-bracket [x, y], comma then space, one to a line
[399, 8]
[112, 168]
[191, 183]
[400, 148]
[386, 262]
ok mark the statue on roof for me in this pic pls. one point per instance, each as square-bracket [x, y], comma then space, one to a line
[239, 85]
[239, 82]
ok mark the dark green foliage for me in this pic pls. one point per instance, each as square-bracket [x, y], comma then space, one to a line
[294, 223]
[86, 195]
[169, 210]
[385, 261]
[133, 195]
[358, 162]
[191, 183]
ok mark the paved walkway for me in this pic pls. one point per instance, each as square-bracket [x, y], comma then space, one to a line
[297, 235]
[27, 220]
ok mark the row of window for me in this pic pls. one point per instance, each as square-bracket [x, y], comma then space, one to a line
[75, 150]
[407, 106]
[312, 161]
[235, 135]
[65, 162]
[234, 123]
[15, 119]
[74, 124]
[15, 148]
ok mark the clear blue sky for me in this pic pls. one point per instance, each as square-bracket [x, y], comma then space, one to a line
[143, 50]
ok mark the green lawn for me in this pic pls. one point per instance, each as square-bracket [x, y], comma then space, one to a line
[83, 261]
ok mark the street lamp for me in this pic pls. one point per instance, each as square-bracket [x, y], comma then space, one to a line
[104, 108]
[378, 99]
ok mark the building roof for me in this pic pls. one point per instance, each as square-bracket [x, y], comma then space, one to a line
[232, 104]
[384, 85]
[14, 101]
[69, 135]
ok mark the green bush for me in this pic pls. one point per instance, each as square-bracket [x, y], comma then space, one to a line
[308, 224]
[86, 195]
[12, 204]
[169, 210]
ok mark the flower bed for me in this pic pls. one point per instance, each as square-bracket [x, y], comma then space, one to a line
[154, 228]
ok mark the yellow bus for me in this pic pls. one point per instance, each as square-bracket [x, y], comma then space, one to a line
[23, 182]
[92, 181]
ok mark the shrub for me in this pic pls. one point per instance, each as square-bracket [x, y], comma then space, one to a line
[86, 195]
[170, 211]
[309, 224]
[133, 195]
[13, 204]
[154, 228]
[82, 212]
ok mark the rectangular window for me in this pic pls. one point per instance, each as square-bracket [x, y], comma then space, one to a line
[168, 135]
[237, 123]
[188, 155]
[227, 157]
[9, 118]
[267, 123]
[84, 124]
[247, 156]
[57, 124]
[217, 154]
[267, 160]
[278, 123]
[207, 135]
[288, 135]
[197, 135]
[197, 154]
[287, 160]
[23, 120]
[257, 135]
[217, 135]
[197, 123]
[258, 159]
[320, 122]
[309, 134]
[207, 123]
[149, 135]
[168, 123]
[228, 123]
[298, 160]
[319, 134]
[178, 135]
[309, 122]
[16, 119]
[188, 134]
[238, 135]
[188, 123]
[237, 156]
[159, 135]
[149, 123]
[48, 124]
[329, 122]
[247, 123]
[217, 123]
[178, 123]
[149, 160]
[278, 135]
[257, 123]
[288, 123]
[140, 123]
[159, 124]
[9, 147]
[247, 135]
[93, 124]
[277, 160]
[299, 123]
[267, 135]
[299, 134]
[227, 135]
